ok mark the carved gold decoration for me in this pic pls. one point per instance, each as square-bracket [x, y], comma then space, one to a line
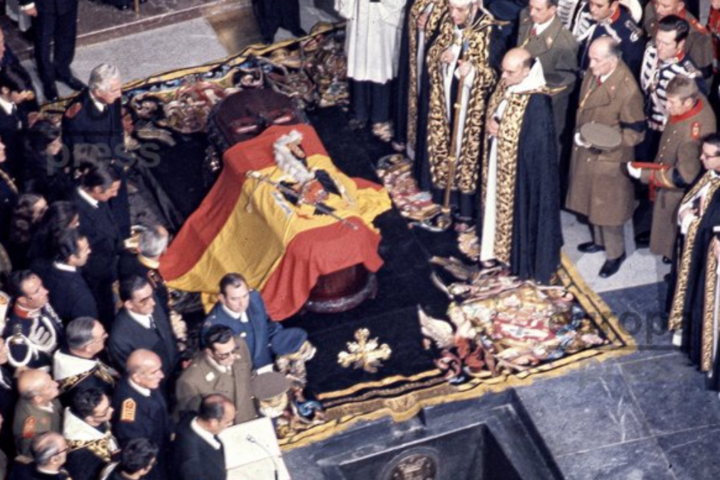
[415, 467]
[438, 130]
[507, 147]
[365, 353]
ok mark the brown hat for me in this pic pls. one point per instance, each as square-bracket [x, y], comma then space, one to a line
[267, 386]
[602, 137]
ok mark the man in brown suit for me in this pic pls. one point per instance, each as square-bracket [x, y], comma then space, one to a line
[38, 409]
[224, 367]
[698, 45]
[542, 33]
[691, 119]
[600, 188]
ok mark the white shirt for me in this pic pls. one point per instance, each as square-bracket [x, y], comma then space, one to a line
[144, 320]
[237, 316]
[145, 392]
[64, 267]
[7, 106]
[98, 104]
[84, 195]
[205, 435]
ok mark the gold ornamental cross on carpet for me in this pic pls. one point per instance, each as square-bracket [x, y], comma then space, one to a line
[365, 353]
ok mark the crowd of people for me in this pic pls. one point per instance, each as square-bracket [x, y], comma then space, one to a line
[510, 112]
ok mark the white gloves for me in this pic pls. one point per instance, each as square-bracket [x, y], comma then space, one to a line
[634, 172]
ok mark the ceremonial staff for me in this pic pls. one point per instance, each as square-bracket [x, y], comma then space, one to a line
[321, 207]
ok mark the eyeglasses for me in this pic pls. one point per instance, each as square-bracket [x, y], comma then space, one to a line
[225, 356]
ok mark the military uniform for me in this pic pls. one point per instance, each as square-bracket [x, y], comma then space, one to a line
[621, 27]
[31, 419]
[599, 185]
[698, 44]
[143, 413]
[654, 80]
[556, 49]
[263, 337]
[680, 149]
[37, 333]
[204, 377]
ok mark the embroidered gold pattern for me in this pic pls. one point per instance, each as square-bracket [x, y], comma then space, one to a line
[416, 10]
[365, 353]
[507, 148]
[478, 46]
[708, 334]
[100, 447]
[678, 305]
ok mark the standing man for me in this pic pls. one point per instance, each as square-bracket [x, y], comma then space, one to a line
[86, 427]
[223, 366]
[38, 409]
[664, 59]
[49, 453]
[33, 330]
[699, 43]
[198, 452]
[76, 366]
[542, 33]
[693, 315]
[614, 20]
[243, 312]
[599, 186]
[691, 120]
[372, 45]
[142, 323]
[461, 69]
[141, 410]
[520, 207]
[54, 22]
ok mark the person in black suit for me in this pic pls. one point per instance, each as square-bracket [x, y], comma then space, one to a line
[137, 461]
[12, 120]
[152, 243]
[49, 451]
[70, 294]
[274, 14]
[44, 170]
[8, 193]
[8, 399]
[54, 22]
[92, 128]
[10, 62]
[98, 185]
[142, 323]
[141, 410]
[198, 454]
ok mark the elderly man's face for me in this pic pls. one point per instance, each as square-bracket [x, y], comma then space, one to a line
[35, 295]
[150, 375]
[677, 106]
[224, 354]
[667, 7]
[142, 301]
[513, 72]
[601, 63]
[460, 15]
[710, 157]
[110, 92]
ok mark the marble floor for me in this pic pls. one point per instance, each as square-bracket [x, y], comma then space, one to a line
[643, 416]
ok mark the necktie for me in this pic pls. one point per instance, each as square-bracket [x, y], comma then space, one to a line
[598, 81]
[533, 32]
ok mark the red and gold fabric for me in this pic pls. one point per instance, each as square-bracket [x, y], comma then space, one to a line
[247, 226]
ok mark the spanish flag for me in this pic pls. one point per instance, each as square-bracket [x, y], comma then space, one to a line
[247, 226]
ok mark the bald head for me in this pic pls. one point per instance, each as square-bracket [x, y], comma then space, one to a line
[145, 368]
[516, 66]
[37, 386]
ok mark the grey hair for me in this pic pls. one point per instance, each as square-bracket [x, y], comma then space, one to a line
[78, 332]
[102, 75]
[44, 446]
[152, 242]
[29, 394]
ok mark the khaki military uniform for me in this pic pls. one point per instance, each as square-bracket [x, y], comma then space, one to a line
[31, 420]
[680, 148]
[557, 51]
[600, 187]
[203, 378]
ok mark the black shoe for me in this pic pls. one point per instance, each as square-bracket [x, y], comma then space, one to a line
[50, 93]
[642, 240]
[666, 260]
[611, 267]
[590, 247]
[72, 82]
